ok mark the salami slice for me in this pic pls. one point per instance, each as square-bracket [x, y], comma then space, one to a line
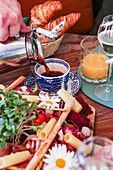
[24, 90]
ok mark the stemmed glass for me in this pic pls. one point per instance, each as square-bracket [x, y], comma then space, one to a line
[95, 153]
[105, 37]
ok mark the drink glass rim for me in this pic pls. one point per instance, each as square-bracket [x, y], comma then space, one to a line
[53, 59]
[90, 51]
[107, 16]
[95, 138]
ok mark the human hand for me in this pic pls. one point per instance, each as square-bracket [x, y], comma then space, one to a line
[11, 21]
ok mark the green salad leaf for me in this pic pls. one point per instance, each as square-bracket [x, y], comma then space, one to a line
[14, 111]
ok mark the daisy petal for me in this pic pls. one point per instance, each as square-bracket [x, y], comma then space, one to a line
[59, 152]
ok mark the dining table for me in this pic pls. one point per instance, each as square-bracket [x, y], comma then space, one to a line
[69, 50]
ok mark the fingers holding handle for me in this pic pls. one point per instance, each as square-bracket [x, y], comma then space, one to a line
[11, 21]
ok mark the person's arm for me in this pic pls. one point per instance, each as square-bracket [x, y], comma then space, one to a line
[11, 21]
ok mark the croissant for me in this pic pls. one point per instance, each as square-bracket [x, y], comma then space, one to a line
[36, 22]
[70, 20]
[43, 13]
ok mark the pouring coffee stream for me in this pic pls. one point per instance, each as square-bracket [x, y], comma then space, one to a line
[34, 50]
[40, 58]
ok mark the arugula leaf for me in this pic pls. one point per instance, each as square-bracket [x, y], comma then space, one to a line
[2, 121]
[2, 143]
[14, 111]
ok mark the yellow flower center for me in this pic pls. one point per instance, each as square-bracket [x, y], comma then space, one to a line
[49, 102]
[60, 163]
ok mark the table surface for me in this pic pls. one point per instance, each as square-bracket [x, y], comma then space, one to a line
[69, 50]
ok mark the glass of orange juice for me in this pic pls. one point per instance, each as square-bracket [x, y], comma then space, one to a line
[93, 66]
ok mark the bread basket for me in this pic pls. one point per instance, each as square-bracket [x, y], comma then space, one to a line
[49, 47]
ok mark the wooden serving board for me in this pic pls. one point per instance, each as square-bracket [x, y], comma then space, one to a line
[92, 120]
[92, 126]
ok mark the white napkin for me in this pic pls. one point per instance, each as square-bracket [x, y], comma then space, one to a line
[109, 61]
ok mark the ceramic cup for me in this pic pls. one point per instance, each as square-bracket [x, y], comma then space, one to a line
[52, 84]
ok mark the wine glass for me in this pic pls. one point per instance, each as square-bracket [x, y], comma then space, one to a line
[105, 37]
[95, 153]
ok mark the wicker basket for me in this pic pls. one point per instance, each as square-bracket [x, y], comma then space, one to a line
[51, 47]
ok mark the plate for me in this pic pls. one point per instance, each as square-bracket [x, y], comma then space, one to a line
[88, 89]
[73, 84]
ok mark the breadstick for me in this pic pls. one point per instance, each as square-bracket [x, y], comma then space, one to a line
[47, 129]
[15, 83]
[45, 146]
[14, 159]
[14, 168]
[75, 142]
[65, 95]
[40, 165]
[31, 98]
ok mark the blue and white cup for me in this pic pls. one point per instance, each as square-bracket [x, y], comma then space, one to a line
[52, 84]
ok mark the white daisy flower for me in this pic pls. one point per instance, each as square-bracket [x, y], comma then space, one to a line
[49, 102]
[60, 159]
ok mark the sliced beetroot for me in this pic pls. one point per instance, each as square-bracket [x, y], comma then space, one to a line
[49, 116]
[6, 150]
[86, 109]
[57, 114]
[78, 119]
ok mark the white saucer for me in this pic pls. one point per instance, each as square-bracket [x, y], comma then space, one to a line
[73, 84]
